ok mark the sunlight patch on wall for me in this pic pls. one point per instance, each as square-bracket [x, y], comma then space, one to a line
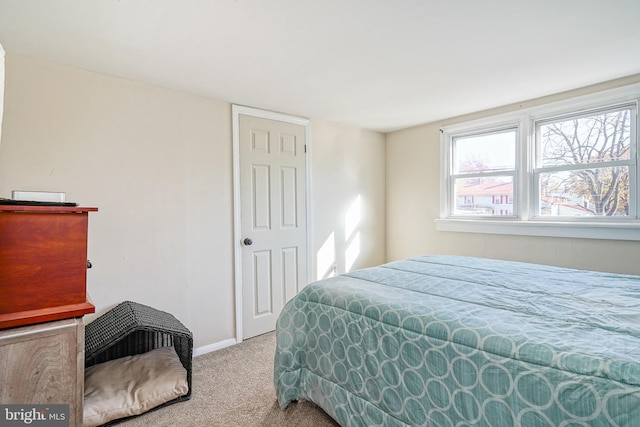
[352, 252]
[326, 258]
[352, 233]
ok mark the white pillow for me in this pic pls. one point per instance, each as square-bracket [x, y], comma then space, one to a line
[132, 385]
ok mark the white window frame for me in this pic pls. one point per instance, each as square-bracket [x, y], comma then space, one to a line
[525, 221]
[453, 176]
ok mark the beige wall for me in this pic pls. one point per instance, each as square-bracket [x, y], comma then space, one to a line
[158, 165]
[1, 88]
[413, 188]
[348, 197]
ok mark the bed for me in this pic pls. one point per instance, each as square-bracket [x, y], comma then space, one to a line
[460, 341]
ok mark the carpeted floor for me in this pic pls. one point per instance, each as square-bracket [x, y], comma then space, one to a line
[234, 387]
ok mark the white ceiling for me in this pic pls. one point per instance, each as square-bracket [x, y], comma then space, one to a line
[377, 64]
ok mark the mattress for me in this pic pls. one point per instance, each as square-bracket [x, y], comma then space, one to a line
[456, 341]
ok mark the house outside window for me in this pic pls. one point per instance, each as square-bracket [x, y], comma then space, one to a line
[562, 169]
[484, 170]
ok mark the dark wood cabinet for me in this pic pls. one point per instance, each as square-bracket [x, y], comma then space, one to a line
[43, 264]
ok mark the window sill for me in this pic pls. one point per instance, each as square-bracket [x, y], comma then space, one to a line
[592, 230]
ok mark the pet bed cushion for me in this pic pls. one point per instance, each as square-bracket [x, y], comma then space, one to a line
[132, 385]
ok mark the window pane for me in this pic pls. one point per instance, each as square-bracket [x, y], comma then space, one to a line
[484, 196]
[485, 153]
[585, 192]
[597, 138]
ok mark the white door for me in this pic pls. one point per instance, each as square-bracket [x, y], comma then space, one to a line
[273, 219]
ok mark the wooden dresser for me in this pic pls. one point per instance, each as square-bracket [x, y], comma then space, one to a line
[43, 271]
[43, 264]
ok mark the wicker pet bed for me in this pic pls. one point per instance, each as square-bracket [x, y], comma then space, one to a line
[130, 329]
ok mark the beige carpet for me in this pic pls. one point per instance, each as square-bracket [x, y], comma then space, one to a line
[234, 387]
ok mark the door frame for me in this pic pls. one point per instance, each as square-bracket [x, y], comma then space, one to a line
[236, 112]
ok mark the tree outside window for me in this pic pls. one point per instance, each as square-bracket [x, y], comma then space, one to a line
[584, 164]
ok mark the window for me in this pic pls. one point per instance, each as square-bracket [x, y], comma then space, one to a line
[484, 170]
[585, 164]
[563, 169]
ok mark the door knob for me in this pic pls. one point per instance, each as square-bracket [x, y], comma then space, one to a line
[248, 241]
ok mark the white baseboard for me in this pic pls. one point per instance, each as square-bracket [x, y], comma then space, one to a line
[213, 347]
